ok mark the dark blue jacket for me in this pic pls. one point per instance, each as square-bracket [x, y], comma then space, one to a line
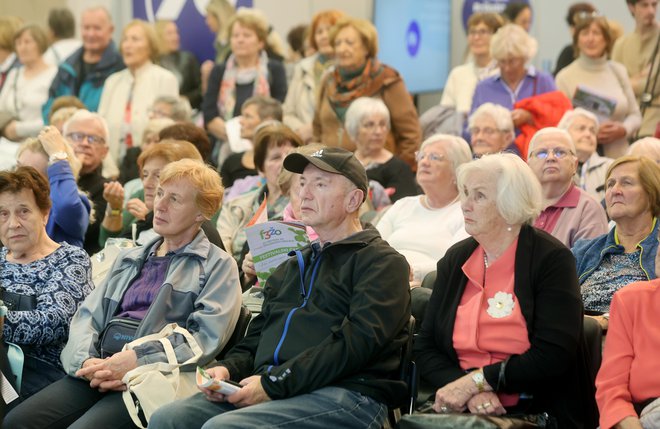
[68, 80]
[69, 215]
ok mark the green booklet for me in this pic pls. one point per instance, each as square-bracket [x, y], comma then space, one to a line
[270, 243]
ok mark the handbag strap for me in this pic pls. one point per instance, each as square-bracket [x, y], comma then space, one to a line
[171, 363]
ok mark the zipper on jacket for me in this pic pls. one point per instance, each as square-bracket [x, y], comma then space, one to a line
[304, 293]
[602, 255]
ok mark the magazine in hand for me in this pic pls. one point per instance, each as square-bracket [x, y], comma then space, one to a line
[597, 103]
[270, 242]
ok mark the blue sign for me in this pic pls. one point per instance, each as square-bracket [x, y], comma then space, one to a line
[190, 17]
[473, 6]
[414, 38]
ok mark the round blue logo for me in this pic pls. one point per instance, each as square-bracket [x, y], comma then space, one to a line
[413, 38]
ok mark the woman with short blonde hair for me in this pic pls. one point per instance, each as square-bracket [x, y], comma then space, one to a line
[128, 94]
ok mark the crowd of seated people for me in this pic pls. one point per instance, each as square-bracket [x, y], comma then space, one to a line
[503, 243]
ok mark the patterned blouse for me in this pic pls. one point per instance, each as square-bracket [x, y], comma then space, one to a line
[60, 282]
[613, 273]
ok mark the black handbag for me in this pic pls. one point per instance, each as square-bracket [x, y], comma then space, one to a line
[474, 421]
[118, 332]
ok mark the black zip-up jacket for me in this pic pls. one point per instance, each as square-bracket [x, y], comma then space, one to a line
[344, 328]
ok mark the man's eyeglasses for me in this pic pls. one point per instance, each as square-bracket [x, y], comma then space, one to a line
[559, 153]
[430, 156]
[91, 138]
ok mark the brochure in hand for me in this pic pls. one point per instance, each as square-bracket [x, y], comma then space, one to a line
[270, 242]
[599, 104]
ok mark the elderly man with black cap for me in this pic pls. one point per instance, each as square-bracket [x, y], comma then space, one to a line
[325, 349]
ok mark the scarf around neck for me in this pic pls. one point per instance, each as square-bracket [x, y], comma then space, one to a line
[344, 88]
[233, 76]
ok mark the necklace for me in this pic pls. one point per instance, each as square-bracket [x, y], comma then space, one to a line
[427, 204]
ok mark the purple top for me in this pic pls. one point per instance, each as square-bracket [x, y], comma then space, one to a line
[494, 89]
[145, 287]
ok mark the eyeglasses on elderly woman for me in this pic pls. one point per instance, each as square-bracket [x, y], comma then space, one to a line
[430, 156]
[558, 153]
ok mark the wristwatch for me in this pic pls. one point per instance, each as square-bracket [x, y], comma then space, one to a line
[57, 156]
[479, 380]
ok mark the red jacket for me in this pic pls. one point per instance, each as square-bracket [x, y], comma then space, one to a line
[546, 109]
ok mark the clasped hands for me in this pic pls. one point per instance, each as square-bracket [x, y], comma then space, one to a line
[106, 374]
[463, 394]
[251, 393]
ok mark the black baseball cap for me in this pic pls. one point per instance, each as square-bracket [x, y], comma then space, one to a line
[333, 160]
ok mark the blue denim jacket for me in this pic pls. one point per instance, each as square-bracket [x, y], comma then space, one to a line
[590, 253]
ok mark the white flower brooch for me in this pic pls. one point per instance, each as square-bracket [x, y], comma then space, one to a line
[501, 305]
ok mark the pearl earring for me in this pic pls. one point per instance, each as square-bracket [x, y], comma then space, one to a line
[508, 228]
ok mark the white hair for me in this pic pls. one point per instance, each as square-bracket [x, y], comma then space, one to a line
[570, 116]
[550, 130]
[648, 147]
[85, 115]
[500, 114]
[512, 40]
[518, 197]
[360, 108]
[458, 150]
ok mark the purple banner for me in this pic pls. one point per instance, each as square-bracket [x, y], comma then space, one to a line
[189, 16]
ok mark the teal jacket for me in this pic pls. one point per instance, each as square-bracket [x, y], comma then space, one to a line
[69, 79]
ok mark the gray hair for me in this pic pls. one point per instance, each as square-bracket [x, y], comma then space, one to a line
[648, 147]
[86, 115]
[458, 150]
[181, 110]
[360, 108]
[156, 125]
[500, 114]
[518, 198]
[570, 116]
[550, 130]
[512, 40]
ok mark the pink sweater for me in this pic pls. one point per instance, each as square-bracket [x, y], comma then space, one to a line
[630, 371]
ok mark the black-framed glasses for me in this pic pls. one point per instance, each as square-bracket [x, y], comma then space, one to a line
[91, 138]
[558, 153]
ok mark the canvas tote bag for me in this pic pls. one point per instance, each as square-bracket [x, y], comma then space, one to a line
[156, 384]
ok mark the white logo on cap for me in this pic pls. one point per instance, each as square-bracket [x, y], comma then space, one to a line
[318, 153]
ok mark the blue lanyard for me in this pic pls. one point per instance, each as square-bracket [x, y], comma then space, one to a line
[305, 293]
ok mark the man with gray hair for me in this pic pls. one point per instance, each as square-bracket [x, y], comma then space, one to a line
[325, 349]
[87, 133]
[569, 213]
[83, 74]
[491, 131]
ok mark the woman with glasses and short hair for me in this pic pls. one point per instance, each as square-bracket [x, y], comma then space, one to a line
[463, 79]
[513, 49]
[569, 213]
[423, 227]
[491, 131]
[53, 157]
